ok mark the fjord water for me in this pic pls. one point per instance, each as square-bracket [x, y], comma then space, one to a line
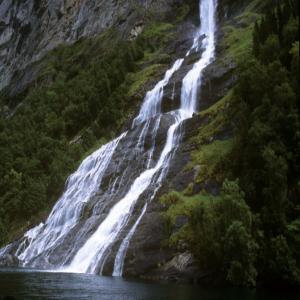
[40, 244]
[29, 284]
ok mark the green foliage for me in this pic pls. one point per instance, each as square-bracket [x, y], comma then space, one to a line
[139, 79]
[280, 263]
[209, 153]
[240, 253]
[210, 157]
[265, 110]
[219, 232]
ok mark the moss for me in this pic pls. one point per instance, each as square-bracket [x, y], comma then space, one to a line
[237, 41]
[157, 35]
[183, 206]
[157, 29]
[210, 153]
[209, 158]
[139, 79]
[155, 57]
[219, 106]
[214, 120]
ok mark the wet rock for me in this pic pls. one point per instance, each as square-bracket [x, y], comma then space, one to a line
[180, 263]
[146, 252]
[218, 78]
[9, 260]
[180, 268]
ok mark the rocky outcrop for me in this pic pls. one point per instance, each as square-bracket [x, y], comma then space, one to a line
[137, 30]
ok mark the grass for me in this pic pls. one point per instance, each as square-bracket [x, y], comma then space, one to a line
[157, 29]
[210, 153]
[237, 41]
[209, 157]
[218, 107]
[158, 56]
[213, 121]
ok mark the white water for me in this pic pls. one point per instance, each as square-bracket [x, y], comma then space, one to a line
[66, 213]
[84, 183]
[152, 102]
[89, 256]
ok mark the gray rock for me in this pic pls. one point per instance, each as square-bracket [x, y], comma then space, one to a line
[181, 263]
[29, 29]
[9, 260]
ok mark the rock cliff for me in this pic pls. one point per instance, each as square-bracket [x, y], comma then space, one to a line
[30, 29]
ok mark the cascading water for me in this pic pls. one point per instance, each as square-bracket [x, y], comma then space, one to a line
[91, 255]
[65, 214]
[189, 93]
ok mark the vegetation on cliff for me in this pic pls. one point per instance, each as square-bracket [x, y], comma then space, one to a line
[250, 232]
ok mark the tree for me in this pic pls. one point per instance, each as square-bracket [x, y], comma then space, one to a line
[240, 255]
[270, 49]
[222, 235]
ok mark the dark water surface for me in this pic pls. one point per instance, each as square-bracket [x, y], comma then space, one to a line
[33, 284]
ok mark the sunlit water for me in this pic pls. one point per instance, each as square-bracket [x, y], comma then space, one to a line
[29, 284]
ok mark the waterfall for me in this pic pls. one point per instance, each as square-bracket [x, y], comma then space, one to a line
[66, 213]
[66, 217]
[189, 93]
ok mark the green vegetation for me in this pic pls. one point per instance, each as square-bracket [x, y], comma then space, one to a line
[265, 109]
[237, 39]
[210, 152]
[83, 102]
[139, 79]
[249, 233]
[219, 232]
[209, 158]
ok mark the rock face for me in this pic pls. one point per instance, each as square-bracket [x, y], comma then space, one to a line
[29, 29]
[137, 30]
